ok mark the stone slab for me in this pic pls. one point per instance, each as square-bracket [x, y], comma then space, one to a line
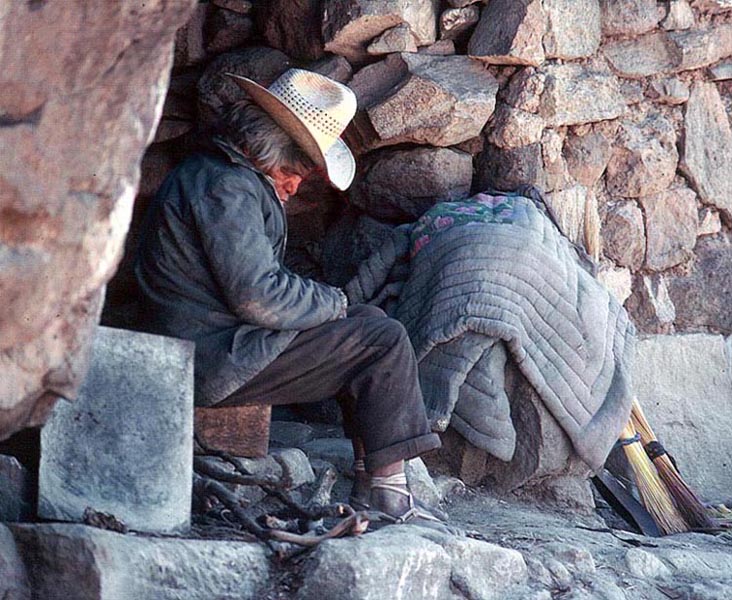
[684, 384]
[74, 561]
[125, 446]
[15, 491]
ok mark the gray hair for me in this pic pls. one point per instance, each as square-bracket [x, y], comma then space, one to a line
[252, 130]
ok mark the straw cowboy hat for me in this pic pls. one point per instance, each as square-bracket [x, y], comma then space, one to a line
[313, 110]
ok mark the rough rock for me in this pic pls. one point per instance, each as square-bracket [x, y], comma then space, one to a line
[74, 126]
[16, 496]
[555, 167]
[618, 281]
[650, 305]
[456, 22]
[420, 482]
[456, 97]
[506, 169]
[13, 575]
[135, 417]
[721, 71]
[290, 434]
[710, 222]
[629, 17]
[336, 451]
[509, 33]
[351, 239]
[293, 27]
[706, 157]
[512, 127]
[677, 378]
[157, 162]
[402, 184]
[573, 28]
[646, 565]
[241, 6]
[169, 129]
[439, 48]
[215, 90]
[679, 16]
[702, 297]
[189, 43]
[669, 52]
[670, 91]
[74, 561]
[226, 30]
[462, 3]
[644, 159]
[349, 26]
[411, 562]
[587, 151]
[672, 221]
[335, 67]
[396, 39]
[575, 94]
[623, 234]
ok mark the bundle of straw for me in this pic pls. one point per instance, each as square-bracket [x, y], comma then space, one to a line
[688, 503]
[653, 492]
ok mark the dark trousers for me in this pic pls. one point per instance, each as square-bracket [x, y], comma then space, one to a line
[369, 357]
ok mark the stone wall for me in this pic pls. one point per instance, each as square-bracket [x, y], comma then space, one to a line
[619, 110]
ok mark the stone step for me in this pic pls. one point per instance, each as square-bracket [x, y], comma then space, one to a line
[125, 446]
[67, 561]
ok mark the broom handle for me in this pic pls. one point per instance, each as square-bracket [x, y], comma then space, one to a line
[643, 427]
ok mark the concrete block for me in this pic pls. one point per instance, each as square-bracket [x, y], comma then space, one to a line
[684, 385]
[74, 561]
[15, 491]
[125, 446]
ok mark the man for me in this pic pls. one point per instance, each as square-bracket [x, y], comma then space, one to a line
[210, 270]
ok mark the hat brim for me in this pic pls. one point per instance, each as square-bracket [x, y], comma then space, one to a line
[338, 161]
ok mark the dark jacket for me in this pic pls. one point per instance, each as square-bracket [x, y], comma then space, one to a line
[210, 270]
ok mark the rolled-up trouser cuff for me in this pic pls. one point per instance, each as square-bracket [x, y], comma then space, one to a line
[402, 451]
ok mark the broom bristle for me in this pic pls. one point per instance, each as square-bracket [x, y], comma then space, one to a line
[654, 494]
[688, 503]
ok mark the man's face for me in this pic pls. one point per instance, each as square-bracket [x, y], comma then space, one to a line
[286, 182]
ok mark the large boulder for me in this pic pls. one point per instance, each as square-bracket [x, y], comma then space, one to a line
[400, 185]
[510, 33]
[455, 96]
[349, 27]
[79, 102]
[707, 146]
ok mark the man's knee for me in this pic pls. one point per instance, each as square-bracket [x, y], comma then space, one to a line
[385, 331]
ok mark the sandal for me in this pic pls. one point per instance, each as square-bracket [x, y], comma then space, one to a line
[397, 484]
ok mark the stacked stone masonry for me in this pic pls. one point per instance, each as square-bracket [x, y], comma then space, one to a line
[619, 111]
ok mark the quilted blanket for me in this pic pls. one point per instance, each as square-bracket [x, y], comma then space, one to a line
[474, 280]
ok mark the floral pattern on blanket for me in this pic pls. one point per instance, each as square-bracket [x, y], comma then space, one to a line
[481, 208]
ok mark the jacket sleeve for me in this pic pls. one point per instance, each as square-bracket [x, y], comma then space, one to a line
[256, 286]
